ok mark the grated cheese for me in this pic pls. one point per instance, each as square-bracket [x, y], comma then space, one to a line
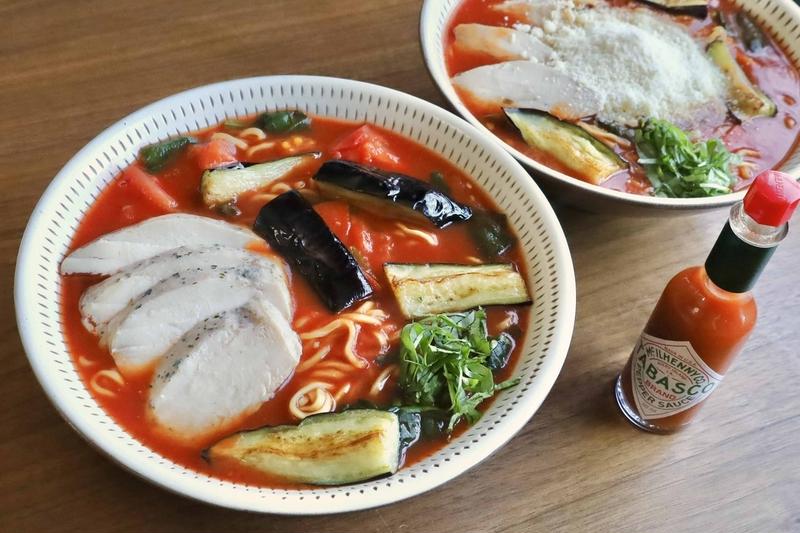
[641, 65]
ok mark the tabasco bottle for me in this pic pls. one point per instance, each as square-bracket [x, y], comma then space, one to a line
[705, 313]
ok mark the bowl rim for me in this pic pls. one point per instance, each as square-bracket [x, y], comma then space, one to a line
[438, 72]
[78, 418]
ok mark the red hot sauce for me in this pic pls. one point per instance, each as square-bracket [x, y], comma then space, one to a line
[705, 313]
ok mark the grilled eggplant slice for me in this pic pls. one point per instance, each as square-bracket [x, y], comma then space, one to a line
[389, 193]
[745, 99]
[328, 449]
[222, 185]
[292, 228]
[695, 8]
[571, 145]
[426, 289]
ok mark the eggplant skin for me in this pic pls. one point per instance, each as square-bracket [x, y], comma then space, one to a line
[411, 194]
[292, 228]
[694, 8]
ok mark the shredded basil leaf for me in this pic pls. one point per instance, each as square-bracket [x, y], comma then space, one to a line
[490, 232]
[156, 156]
[278, 122]
[680, 168]
[445, 363]
[439, 183]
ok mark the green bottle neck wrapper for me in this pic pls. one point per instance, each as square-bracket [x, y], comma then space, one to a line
[735, 265]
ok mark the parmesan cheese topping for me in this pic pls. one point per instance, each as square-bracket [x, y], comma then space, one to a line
[641, 65]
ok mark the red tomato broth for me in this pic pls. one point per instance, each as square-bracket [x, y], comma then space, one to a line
[118, 206]
[775, 138]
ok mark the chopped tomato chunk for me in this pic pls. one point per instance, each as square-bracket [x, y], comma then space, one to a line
[374, 247]
[149, 188]
[367, 146]
[336, 215]
[216, 153]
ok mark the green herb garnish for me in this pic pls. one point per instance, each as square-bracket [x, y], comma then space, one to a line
[155, 156]
[444, 362]
[490, 232]
[680, 168]
[439, 183]
[283, 121]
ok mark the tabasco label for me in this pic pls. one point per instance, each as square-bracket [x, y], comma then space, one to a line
[669, 377]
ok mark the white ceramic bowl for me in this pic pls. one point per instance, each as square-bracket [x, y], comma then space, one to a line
[781, 18]
[56, 216]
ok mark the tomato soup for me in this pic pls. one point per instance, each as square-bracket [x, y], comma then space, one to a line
[763, 142]
[375, 239]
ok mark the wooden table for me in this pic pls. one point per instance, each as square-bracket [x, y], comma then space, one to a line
[69, 69]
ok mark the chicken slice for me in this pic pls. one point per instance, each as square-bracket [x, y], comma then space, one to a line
[122, 248]
[526, 84]
[101, 302]
[222, 370]
[502, 43]
[152, 323]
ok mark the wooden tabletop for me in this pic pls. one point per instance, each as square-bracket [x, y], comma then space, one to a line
[69, 69]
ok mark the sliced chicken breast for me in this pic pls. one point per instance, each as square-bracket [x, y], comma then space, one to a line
[532, 12]
[527, 84]
[223, 370]
[101, 302]
[122, 248]
[502, 43]
[152, 323]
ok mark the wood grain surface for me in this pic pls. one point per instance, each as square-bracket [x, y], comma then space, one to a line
[68, 69]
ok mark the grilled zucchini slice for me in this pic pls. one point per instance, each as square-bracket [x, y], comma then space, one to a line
[328, 449]
[745, 99]
[569, 144]
[427, 289]
[222, 185]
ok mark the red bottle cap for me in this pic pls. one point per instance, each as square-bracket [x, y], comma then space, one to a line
[772, 198]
